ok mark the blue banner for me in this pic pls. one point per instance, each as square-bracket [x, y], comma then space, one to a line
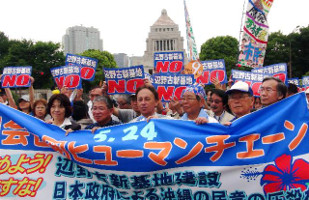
[263, 155]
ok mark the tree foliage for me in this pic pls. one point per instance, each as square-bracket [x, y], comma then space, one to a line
[4, 45]
[41, 56]
[105, 60]
[277, 49]
[45, 55]
[221, 47]
[292, 48]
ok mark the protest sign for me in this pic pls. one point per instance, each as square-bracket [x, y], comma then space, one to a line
[67, 76]
[277, 70]
[168, 62]
[171, 85]
[294, 81]
[124, 80]
[305, 80]
[305, 83]
[212, 69]
[14, 77]
[161, 159]
[87, 65]
[194, 67]
[254, 80]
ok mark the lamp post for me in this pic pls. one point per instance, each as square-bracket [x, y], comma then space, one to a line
[290, 54]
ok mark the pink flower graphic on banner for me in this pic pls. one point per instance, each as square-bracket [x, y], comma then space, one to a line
[285, 175]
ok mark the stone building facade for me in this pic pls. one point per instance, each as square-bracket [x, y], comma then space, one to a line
[164, 36]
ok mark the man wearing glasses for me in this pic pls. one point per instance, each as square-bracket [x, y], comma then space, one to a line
[240, 99]
[272, 90]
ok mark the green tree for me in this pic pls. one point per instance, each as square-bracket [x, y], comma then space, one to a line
[300, 51]
[291, 49]
[105, 60]
[45, 55]
[277, 49]
[4, 47]
[221, 47]
[41, 56]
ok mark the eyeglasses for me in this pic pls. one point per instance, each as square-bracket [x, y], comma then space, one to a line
[215, 101]
[239, 96]
[267, 89]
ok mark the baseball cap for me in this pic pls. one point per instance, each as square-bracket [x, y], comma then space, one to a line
[196, 89]
[24, 98]
[240, 86]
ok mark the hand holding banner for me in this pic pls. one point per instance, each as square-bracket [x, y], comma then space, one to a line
[159, 158]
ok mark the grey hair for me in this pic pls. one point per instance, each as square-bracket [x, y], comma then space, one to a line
[281, 87]
[104, 99]
[126, 97]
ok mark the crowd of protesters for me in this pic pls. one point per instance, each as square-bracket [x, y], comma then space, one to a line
[68, 110]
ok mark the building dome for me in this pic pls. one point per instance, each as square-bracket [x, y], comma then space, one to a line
[164, 20]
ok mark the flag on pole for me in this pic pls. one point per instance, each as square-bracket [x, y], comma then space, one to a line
[193, 55]
[255, 34]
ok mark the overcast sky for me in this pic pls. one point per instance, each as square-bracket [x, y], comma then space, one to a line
[125, 24]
